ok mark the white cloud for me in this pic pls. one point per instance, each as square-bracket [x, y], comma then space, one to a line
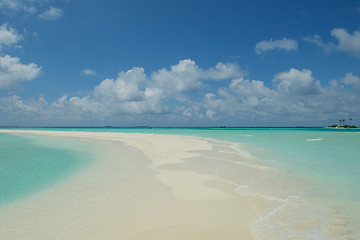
[210, 113]
[16, 105]
[347, 42]
[249, 88]
[351, 79]
[297, 82]
[187, 112]
[13, 71]
[187, 76]
[224, 71]
[129, 94]
[10, 6]
[52, 13]
[132, 92]
[295, 96]
[88, 72]
[8, 35]
[283, 44]
[125, 88]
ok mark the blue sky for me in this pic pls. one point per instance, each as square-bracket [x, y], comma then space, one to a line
[179, 63]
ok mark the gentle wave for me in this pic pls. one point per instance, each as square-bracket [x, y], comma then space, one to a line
[295, 219]
[291, 217]
[314, 139]
[240, 151]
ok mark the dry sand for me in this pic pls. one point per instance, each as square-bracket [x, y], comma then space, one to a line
[141, 186]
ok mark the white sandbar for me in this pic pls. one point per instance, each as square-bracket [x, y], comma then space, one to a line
[141, 186]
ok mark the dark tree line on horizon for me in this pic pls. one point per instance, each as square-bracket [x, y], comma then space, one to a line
[343, 125]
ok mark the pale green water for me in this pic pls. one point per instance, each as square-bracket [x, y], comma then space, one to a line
[320, 166]
[29, 165]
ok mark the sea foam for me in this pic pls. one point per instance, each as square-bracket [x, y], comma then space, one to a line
[314, 139]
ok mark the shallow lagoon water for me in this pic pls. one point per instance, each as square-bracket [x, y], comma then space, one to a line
[31, 164]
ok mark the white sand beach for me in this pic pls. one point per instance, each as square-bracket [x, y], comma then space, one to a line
[141, 186]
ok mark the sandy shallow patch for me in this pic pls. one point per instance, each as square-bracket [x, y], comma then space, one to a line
[141, 186]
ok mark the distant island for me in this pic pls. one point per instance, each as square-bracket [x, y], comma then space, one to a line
[344, 125]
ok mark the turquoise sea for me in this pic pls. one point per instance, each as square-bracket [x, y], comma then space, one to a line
[321, 169]
[31, 164]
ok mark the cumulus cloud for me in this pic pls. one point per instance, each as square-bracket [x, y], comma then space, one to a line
[188, 76]
[184, 76]
[283, 44]
[12, 71]
[8, 35]
[224, 71]
[346, 42]
[52, 13]
[351, 79]
[17, 6]
[210, 113]
[297, 82]
[88, 72]
[129, 94]
[349, 43]
[295, 95]
[16, 105]
[134, 93]
[246, 87]
[125, 88]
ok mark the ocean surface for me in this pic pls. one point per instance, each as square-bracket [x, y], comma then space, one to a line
[317, 173]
